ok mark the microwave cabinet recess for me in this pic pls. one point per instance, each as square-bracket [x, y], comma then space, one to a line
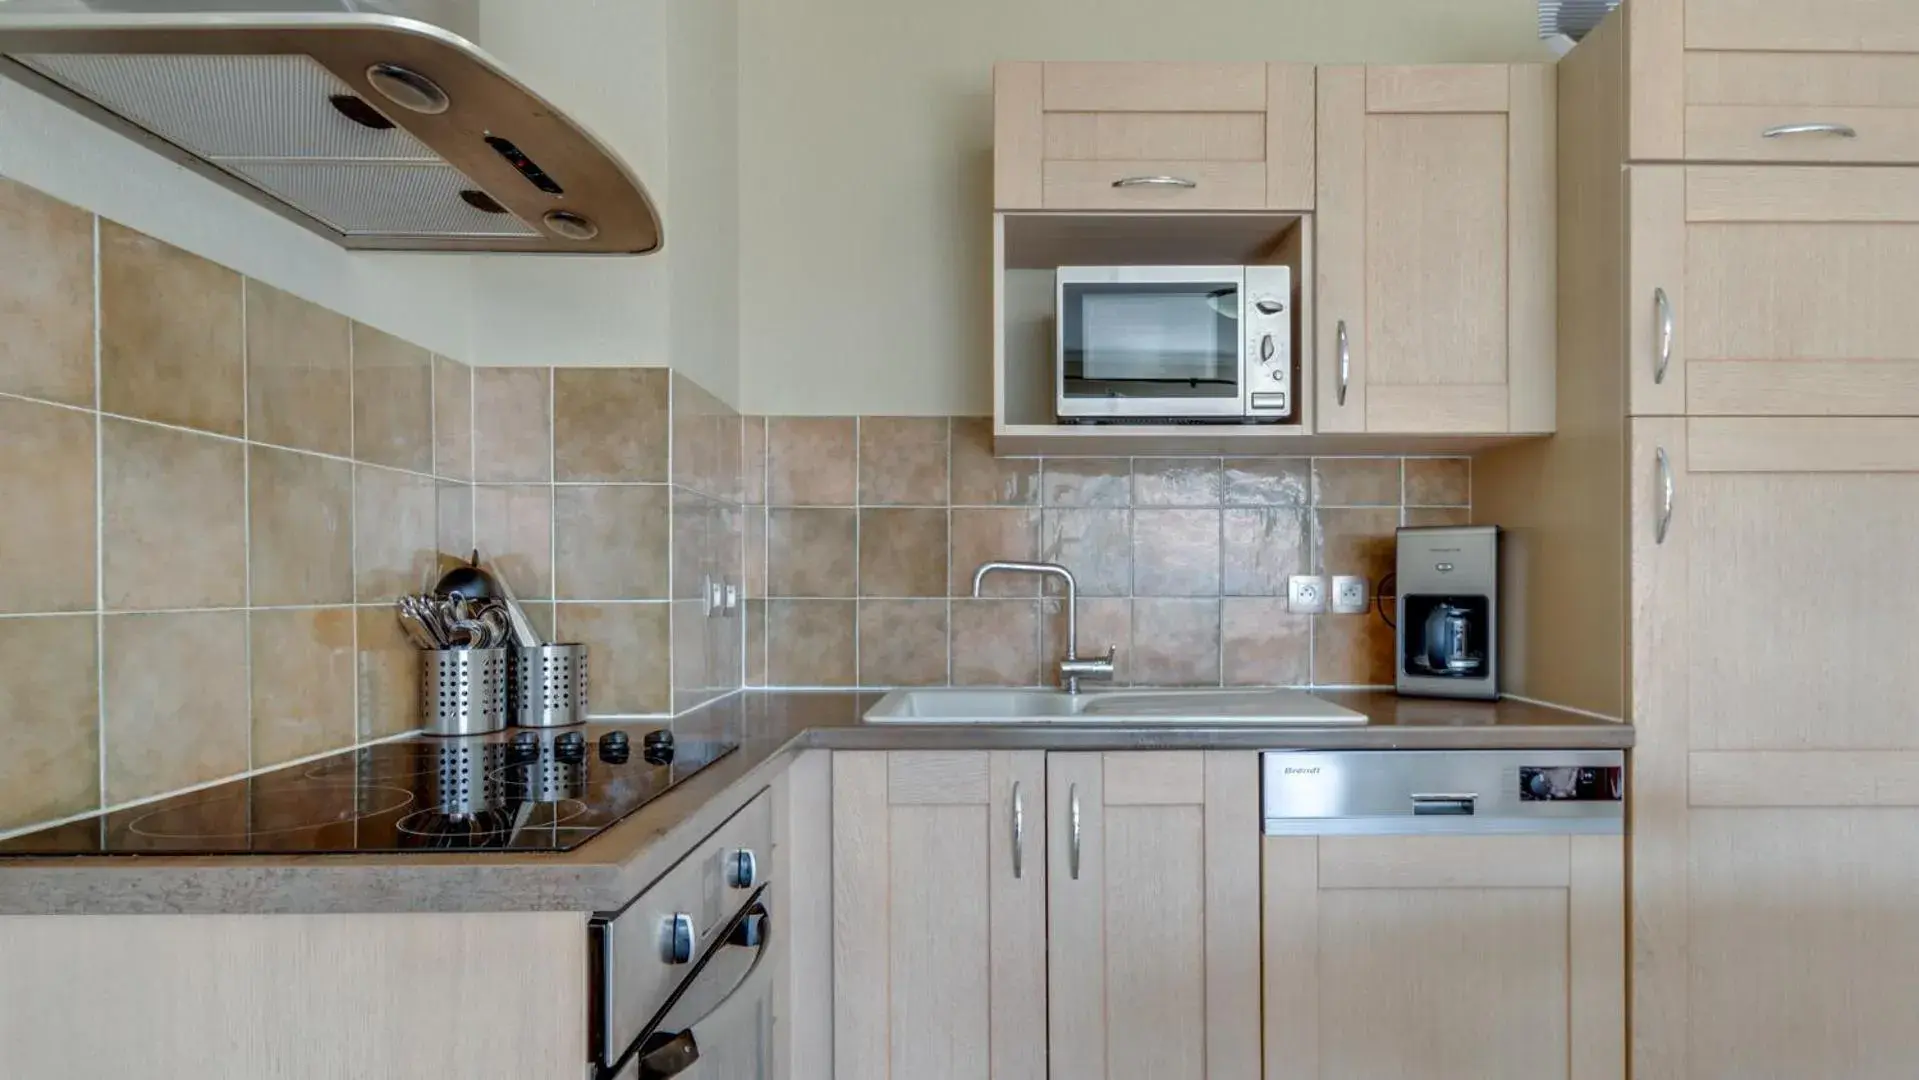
[1436, 255]
[1166, 137]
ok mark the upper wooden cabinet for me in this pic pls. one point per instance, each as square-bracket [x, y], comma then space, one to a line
[1768, 291]
[1807, 81]
[1436, 249]
[1152, 136]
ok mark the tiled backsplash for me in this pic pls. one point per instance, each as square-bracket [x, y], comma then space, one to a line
[860, 565]
[215, 489]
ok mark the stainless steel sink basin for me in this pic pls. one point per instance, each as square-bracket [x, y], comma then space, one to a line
[1010, 706]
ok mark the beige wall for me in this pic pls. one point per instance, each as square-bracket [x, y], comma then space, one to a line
[865, 154]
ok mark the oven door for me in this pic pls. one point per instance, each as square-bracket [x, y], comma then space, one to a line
[719, 1023]
[1150, 342]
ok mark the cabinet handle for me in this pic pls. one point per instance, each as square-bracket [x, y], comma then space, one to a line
[1072, 831]
[1665, 496]
[1345, 361]
[1662, 313]
[1841, 130]
[1156, 181]
[1019, 834]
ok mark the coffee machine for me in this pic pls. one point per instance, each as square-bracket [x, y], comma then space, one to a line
[1446, 628]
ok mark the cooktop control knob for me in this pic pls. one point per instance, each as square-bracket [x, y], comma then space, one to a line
[677, 938]
[742, 869]
[525, 747]
[615, 748]
[657, 747]
[570, 747]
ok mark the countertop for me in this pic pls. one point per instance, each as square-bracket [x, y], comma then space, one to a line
[771, 727]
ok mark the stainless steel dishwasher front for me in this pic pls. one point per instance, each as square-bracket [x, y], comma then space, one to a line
[1442, 792]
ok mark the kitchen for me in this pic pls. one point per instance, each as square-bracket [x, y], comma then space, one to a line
[758, 474]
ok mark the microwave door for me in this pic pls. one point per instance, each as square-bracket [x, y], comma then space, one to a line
[1156, 349]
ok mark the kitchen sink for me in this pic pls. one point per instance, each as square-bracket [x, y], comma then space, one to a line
[1011, 706]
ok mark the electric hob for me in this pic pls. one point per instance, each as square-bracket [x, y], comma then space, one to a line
[517, 790]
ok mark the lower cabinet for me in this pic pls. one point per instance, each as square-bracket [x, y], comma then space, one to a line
[1444, 957]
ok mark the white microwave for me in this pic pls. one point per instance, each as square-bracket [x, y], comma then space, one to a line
[1175, 344]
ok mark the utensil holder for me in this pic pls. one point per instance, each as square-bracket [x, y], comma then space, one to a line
[549, 686]
[463, 691]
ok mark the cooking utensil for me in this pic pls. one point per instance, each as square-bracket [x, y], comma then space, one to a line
[523, 633]
[469, 581]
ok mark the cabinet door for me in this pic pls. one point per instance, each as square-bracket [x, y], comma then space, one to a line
[1153, 905]
[1776, 777]
[939, 915]
[1445, 957]
[1437, 259]
[1769, 291]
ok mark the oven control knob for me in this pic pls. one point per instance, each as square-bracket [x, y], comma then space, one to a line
[1268, 306]
[1266, 348]
[677, 939]
[742, 869]
[750, 931]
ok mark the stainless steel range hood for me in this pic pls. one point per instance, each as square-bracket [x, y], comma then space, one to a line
[377, 124]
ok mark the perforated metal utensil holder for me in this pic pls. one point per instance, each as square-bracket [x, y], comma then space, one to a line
[463, 691]
[549, 686]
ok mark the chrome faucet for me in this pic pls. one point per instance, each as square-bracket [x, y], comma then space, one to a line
[1074, 667]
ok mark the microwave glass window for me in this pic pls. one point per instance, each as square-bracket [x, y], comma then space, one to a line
[1151, 340]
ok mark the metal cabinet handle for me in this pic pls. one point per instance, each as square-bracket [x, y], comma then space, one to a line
[1841, 130]
[1665, 496]
[1072, 831]
[1662, 313]
[1156, 181]
[1019, 834]
[1345, 361]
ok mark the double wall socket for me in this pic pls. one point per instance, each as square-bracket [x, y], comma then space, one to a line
[1312, 594]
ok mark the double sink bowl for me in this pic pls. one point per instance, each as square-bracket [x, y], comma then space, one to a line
[1206, 707]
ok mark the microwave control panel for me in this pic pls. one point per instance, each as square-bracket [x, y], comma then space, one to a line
[1268, 324]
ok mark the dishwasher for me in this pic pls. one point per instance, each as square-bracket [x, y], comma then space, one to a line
[1440, 792]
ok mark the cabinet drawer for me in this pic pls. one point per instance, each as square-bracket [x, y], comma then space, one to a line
[1802, 107]
[1153, 185]
[1110, 136]
[1154, 87]
[1803, 25]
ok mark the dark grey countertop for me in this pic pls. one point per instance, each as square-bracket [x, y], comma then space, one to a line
[771, 727]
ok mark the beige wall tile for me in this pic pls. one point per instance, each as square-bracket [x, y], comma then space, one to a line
[512, 424]
[170, 336]
[1104, 623]
[611, 423]
[1356, 481]
[1262, 548]
[1176, 482]
[810, 642]
[1351, 650]
[452, 419]
[456, 518]
[541, 614]
[1096, 545]
[611, 542]
[301, 509]
[392, 401]
[811, 553]
[755, 642]
[299, 373]
[1439, 481]
[176, 700]
[49, 686]
[46, 297]
[753, 461]
[396, 527]
[174, 528]
[1176, 642]
[695, 536]
[1087, 482]
[47, 528]
[1357, 542]
[1263, 644]
[692, 659]
[629, 659]
[1427, 516]
[1267, 481]
[902, 643]
[903, 461]
[732, 464]
[979, 478]
[1176, 552]
[993, 534]
[697, 425]
[811, 461]
[389, 674]
[754, 577]
[995, 643]
[302, 683]
[902, 552]
[513, 528]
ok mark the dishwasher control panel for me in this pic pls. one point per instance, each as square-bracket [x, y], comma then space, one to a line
[1387, 792]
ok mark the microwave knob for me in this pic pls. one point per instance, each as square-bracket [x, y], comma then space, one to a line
[1269, 306]
[1266, 348]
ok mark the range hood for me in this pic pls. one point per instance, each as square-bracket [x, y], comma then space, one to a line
[379, 125]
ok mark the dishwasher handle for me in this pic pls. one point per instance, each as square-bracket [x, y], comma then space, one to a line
[1456, 804]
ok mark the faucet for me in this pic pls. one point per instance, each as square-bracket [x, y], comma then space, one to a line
[1074, 667]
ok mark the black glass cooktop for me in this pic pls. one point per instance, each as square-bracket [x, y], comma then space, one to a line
[518, 790]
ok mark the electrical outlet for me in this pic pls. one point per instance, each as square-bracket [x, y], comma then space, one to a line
[1305, 594]
[1349, 595]
[713, 592]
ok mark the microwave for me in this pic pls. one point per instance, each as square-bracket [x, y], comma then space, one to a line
[1175, 344]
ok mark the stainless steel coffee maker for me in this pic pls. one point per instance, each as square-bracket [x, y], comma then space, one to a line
[1448, 586]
